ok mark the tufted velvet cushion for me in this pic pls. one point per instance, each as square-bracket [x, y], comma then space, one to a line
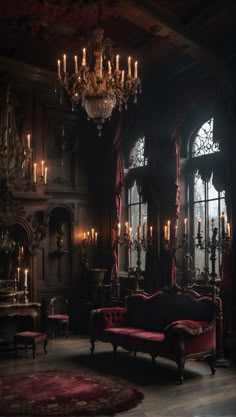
[28, 337]
[58, 317]
[113, 317]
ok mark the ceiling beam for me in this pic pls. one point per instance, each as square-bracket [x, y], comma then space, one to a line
[161, 23]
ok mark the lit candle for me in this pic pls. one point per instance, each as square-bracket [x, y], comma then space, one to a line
[84, 235]
[76, 64]
[165, 232]
[101, 67]
[96, 237]
[26, 276]
[42, 164]
[223, 223]
[117, 62]
[138, 231]
[136, 69]
[28, 141]
[46, 175]
[88, 234]
[126, 228]
[92, 232]
[130, 233]
[64, 62]
[150, 231]
[122, 77]
[59, 68]
[228, 229]
[168, 229]
[176, 231]
[199, 226]
[118, 230]
[109, 67]
[84, 57]
[22, 252]
[144, 231]
[129, 66]
[18, 274]
[185, 226]
[35, 172]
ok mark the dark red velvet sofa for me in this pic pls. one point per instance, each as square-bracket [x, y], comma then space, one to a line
[172, 323]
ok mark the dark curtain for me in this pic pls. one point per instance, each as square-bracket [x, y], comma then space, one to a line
[111, 199]
[170, 207]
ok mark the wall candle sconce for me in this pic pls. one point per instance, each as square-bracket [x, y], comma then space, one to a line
[90, 240]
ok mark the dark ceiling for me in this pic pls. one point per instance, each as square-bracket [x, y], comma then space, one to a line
[173, 38]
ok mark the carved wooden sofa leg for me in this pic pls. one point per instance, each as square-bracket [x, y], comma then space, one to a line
[92, 341]
[180, 358]
[153, 360]
[114, 351]
[212, 362]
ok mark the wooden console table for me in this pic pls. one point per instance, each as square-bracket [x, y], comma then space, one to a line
[16, 317]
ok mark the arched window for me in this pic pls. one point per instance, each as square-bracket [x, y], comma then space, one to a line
[206, 204]
[137, 209]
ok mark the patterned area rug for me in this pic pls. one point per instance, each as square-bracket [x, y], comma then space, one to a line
[59, 393]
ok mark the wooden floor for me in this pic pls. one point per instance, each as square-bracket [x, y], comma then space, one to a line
[202, 394]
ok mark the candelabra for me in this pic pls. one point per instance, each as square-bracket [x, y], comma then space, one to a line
[211, 246]
[171, 243]
[90, 240]
[141, 242]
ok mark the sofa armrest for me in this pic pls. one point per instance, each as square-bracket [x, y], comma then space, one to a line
[103, 318]
[187, 327]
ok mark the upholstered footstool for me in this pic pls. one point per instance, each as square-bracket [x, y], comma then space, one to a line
[31, 339]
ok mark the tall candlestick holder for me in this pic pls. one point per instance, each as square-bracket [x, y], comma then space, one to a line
[223, 243]
[172, 244]
[26, 294]
[212, 246]
[138, 244]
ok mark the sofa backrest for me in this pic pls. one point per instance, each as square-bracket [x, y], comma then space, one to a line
[156, 311]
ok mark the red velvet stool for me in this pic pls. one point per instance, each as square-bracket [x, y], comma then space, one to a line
[58, 324]
[31, 339]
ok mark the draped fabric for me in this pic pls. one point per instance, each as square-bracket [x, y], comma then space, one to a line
[171, 258]
[118, 179]
[110, 200]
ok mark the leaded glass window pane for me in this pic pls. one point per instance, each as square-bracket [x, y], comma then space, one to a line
[199, 189]
[137, 156]
[134, 195]
[203, 143]
[208, 203]
[212, 193]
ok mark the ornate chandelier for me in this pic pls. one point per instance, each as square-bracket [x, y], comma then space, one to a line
[14, 153]
[98, 83]
[17, 170]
